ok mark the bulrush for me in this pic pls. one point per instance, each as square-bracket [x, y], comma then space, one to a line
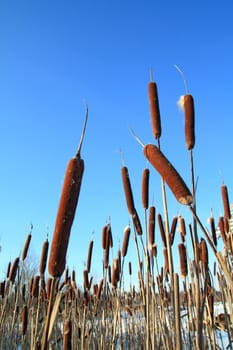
[26, 246]
[169, 174]
[182, 228]
[67, 335]
[43, 257]
[137, 223]
[204, 256]
[173, 230]
[127, 190]
[225, 201]
[151, 225]
[154, 109]
[125, 243]
[213, 230]
[89, 256]
[145, 188]
[66, 211]
[24, 316]
[14, 269]
[161, 229]
[183, 260]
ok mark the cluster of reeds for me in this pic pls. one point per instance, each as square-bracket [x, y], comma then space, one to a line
[170, 306]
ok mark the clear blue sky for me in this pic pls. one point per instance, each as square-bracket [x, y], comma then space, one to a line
[54, 55]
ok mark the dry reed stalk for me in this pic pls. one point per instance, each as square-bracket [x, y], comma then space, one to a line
[128, 190]
[151, 225]
[24, 317]
[154, 109]
[90, 248]
[14, 269]
[204, 256]
[66, 211]
[26, 246]
[125, 243]
[161, 229]
[145, 188]
[168, 173]
[67, 335]
[213, 230]
[173, 230]
[225, 201]
[43, 257]
[178, 339]
[183, 260]
[137, 223]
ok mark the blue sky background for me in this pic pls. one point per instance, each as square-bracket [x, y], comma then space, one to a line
[54, 55]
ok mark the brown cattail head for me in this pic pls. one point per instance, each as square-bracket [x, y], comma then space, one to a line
[24, 319]
[14, 270]
[43, 257]
[65, 216]
[2, 288]
[225, 200]
[109, 235]
[35, 286]
[8, 269]
[183, 260]
[221, 227]
[161, 228]
[154, 109]
[89, 256]
[169, 174]
[130, 268]
[104, 236]
[151, 225]
[100, 287]
[137, 223]
[154, 250]
[166, 265]
[125, 243]
[213, 230]
[182, 228]
[145, 188]
[115, 272]
[127, 190]
[67, 335]
[204, 257]
[85, 280]
[189, 121]
[173, 230]
[26, 246]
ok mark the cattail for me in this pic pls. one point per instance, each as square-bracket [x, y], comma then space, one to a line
[109, 274]
[8, 269]
[204, 257]
[154, 250]
[67, 335]
[151, 225]
[85, 279]
[125, 243]
[2, 288]
[183, 260]
[115, 273]
[109, 234]
[89, 256]
[44, 256]
[221, 227]
[137, 223]
[130, 268]
[49, 284]
[169, 174]
[173, 230]
[154, 109]
[24, 316]
[189, 121]
[100, 287]
[35, 286]
[225, 200]
[14, 270]
[166, 265]
[26, 246]
[127, 190]
[66, 211]
[73, 276]
[213, 230]
[161, 228]
[104, 236]
[145, 188]
[182, 228]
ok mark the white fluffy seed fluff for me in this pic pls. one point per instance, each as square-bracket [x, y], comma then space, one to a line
[180, 103]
